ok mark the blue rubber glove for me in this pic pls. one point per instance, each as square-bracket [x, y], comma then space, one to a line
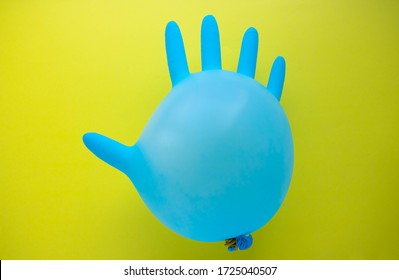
[215, 160]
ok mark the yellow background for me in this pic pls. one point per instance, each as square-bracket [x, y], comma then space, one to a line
[68, 67]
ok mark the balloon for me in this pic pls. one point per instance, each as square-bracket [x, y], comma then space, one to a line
[215, 160]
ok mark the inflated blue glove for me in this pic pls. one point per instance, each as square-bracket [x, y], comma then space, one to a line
[215, 160]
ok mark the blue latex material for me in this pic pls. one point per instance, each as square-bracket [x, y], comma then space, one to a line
[215, 160]
[244, 242]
